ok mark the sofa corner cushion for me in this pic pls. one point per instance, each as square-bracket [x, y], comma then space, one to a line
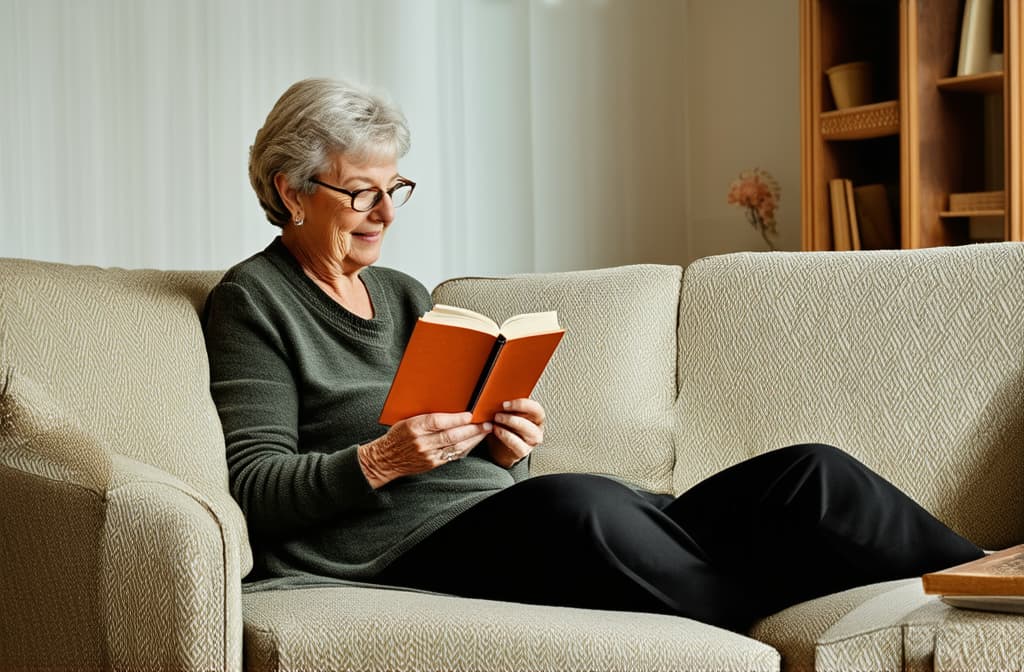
[346, 627]
[123, 352]
[611, 385]
[38, 436]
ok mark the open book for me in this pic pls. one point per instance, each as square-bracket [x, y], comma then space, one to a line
[459, 360]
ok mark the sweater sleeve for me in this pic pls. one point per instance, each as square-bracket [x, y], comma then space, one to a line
[279, 488]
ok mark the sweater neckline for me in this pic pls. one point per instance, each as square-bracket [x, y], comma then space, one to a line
[378, 325]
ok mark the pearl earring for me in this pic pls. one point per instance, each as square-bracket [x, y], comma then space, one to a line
[299, 221]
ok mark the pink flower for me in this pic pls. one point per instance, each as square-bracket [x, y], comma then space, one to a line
[757, 192]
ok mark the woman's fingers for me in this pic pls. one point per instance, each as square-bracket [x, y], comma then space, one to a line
[528, 430]
[456, 451]
[527, 408]
[443, 437]
[430, 423]
[419, 444]
[513, 448]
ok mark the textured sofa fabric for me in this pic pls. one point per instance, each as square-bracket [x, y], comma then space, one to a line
[53, 481]
[129, 531]
[121, 547]
[377, 629]
[901, 628]
[795, 631]
[913, 362]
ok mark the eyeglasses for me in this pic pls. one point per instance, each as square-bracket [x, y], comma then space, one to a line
[364, 200]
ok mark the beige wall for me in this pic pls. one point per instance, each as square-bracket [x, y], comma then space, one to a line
[743, 97]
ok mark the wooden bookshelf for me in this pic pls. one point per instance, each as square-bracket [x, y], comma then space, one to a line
[926, 133]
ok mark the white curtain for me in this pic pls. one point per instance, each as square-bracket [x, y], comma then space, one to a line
[547, 135]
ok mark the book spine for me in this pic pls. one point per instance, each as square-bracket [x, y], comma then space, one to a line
[499, 343]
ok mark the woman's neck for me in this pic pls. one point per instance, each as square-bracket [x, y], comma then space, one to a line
[343, 286]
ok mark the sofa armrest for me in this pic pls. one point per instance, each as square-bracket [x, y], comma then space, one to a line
[53, 480]
[107, 562]
[171, 574]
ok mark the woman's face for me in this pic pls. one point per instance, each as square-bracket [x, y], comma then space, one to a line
[335, 231]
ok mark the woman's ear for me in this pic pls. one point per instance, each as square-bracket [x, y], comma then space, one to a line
[289, 196]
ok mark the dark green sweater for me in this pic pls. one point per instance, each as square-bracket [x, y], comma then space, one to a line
[299, 383]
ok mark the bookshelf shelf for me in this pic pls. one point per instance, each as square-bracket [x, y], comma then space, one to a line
[986, 82]
[861, 123]
[927, 134]
[947, 214]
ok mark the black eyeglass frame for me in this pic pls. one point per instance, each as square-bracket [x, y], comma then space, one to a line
[402, 182]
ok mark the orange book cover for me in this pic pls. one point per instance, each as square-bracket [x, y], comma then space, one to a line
[458, 360]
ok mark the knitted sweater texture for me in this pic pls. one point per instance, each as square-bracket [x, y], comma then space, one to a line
[299, 383]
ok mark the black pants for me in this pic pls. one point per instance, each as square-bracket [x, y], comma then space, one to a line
[780, 528]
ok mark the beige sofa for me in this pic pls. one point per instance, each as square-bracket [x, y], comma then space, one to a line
[120, 546]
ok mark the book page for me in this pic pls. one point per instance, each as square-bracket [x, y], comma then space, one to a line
[530, 323]
[461, 317]
[1006, 604]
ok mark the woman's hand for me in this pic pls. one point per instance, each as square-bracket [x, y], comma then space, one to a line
[419, 444]
[517, 431]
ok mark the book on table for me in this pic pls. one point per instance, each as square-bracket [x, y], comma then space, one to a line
[994, 582]
[459, 360]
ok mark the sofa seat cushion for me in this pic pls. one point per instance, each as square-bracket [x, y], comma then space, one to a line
[350, 627]
[904, 629]
[892, 626]
[794, 632]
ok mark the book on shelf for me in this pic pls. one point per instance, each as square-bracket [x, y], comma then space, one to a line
[998, 574]
[841, 240]
[851, 216]
[977, 200]
[878, 230]
[459, 360]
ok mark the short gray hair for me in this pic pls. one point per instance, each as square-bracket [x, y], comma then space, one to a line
[314, 120]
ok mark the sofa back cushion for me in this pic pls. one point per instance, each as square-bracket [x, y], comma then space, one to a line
[912, 361]
[123, 353]
[610, 386]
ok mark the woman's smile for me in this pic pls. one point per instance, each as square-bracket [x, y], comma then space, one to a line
[368, 236]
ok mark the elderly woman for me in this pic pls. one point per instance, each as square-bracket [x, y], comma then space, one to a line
[304, 339]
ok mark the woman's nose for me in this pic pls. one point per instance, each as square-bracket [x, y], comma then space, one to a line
[385, 208]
